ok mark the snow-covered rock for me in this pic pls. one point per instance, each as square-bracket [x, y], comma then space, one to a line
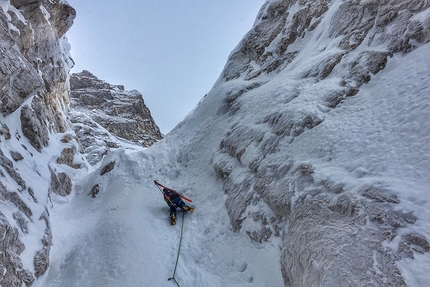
[313, 118]
[34, 94]
[40, 154]
[121, 113]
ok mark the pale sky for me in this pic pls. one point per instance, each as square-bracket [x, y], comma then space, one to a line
[171, 51]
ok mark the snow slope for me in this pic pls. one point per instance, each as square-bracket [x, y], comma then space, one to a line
[124, 238]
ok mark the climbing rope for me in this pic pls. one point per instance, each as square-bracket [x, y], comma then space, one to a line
[179, 250]
[180, 240]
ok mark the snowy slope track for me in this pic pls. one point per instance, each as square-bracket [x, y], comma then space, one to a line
[115, 238]
[123, 236]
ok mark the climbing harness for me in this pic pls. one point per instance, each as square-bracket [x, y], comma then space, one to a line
[179, 250]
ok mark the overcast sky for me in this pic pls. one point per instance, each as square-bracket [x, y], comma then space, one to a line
[172, 51]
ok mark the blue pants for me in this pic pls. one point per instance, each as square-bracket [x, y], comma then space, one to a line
[178, 203]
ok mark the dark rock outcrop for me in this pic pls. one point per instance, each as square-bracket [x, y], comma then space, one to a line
[108, 168]
[94, 191]
[61, 183]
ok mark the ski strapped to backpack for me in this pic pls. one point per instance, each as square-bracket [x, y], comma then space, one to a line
[162, 186]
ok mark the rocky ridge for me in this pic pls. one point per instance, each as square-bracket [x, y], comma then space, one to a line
[34, 93]
[40, 154]
[95, 103]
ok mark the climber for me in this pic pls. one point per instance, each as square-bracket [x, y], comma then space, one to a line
[174, 201]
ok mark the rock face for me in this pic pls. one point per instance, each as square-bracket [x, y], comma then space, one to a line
[122, 113]
[304, 60]
[34, 64]
[39, 150]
